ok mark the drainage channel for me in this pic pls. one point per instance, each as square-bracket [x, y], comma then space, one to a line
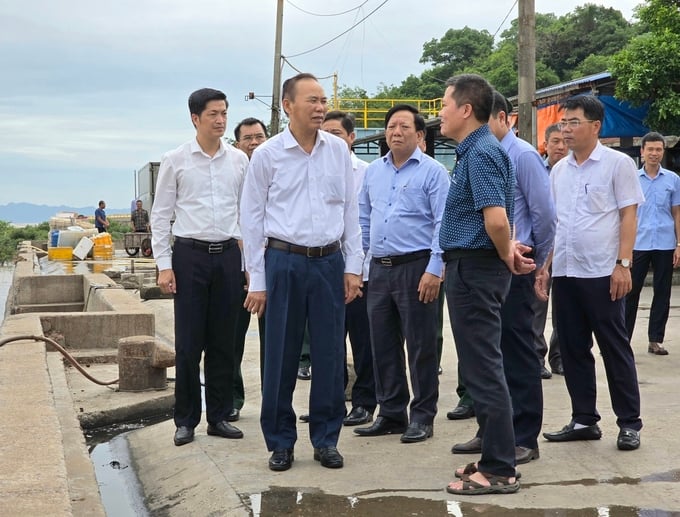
[119, 487]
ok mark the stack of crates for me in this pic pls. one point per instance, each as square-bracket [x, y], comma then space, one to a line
[103, 247]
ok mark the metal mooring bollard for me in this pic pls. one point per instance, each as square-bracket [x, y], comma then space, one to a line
[142, 363]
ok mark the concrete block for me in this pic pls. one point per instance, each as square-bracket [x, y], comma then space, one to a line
[142, 363]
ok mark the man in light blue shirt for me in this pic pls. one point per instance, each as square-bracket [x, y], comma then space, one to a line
[400, 210]
[657, 242]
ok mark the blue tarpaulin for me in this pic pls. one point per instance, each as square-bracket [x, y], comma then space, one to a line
[621, 119]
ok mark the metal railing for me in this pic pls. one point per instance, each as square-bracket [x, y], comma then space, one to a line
[370, 113]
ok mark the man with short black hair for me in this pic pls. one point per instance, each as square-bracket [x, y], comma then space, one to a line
[140, 218]
[100, 220]
[400, 210]
[200, 183]
[596, 193]
[657, 242]
[303, 252]
[249, 134]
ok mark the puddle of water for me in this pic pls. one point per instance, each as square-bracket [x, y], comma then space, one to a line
[285, 501]
[121, 262]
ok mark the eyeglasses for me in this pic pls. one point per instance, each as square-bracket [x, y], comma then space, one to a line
[572, 123]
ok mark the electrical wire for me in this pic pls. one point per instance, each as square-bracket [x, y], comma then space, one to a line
[300, 71]
[335, 14]
[339, 35]
[504, 19]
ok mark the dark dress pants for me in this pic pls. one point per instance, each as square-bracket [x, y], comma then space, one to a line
[301, 291]
[662, 264]
[521, 361]
[395, 314]
[206, 309]
[357, 327]
[242, 324]
[583, 307]
[476, 288]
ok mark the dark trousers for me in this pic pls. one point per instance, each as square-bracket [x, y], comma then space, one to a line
[206, 309]
[395, 314]
[301, 291]
[357, 327]
[552, 351]
[476, 288]
[242, 325]
[583, 307]
[521, 361]
[662, 264]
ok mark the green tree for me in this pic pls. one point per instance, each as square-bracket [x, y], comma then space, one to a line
[648, 68]
[10, 237]
[457, 49]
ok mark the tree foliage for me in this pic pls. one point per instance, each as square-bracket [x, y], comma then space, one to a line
[578, 43]
[10, 237]
[648, 68]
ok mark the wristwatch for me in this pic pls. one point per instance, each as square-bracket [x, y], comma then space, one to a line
[623, 263]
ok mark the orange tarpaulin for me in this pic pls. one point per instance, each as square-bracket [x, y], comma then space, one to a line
[545, 116]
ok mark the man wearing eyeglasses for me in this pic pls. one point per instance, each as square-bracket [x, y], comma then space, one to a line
[596, 193]
[249, 134]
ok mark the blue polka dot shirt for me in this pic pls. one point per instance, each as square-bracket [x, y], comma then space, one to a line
[483, 176]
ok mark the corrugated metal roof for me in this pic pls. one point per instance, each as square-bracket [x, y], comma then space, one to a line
[550, 90]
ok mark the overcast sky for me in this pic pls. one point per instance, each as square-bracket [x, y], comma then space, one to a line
[91, 91]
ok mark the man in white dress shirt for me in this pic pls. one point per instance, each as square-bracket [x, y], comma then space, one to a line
[596, 193]
[200, 183]
[303, 253]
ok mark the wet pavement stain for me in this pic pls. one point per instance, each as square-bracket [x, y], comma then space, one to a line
[290, 502]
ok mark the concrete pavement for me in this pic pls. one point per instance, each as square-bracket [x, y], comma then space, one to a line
[46, 473]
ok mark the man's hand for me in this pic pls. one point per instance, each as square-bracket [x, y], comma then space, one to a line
[166, 281]
[428, 287]
[620, 282]
[676, 257]
[517, 263]
[541, 284]
[353, 285]
[255, 302]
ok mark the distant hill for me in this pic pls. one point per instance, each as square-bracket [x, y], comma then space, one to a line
[28, 213]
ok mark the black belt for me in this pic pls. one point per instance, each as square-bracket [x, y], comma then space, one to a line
[313, 252]
[469, 253]
[210, 247]
[401, 259]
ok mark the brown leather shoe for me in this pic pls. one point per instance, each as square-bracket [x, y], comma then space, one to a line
[656, 349]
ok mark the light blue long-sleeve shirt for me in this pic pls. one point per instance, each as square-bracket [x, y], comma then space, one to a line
[535, 217]
[400, 210]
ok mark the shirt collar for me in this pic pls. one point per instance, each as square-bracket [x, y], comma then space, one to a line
[289, 140]
[196, 148]
[417, 155]
[470, 140]
[595, 155]
[642, 171]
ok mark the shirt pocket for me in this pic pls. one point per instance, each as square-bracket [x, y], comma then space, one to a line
[413, 200]
[599, 199]
[332, 188]
[662, 198]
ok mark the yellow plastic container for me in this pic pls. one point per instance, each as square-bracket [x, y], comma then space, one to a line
[102, 252]
[60, 253]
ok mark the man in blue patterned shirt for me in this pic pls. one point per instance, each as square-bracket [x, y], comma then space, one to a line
[480, 256]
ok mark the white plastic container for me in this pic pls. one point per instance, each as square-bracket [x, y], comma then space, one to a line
[83, 248]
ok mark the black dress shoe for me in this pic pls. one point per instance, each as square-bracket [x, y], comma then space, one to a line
[234, 415]
[628, 440]
[557, 369]
[525, 454]
[545, 373]
[358, 416]
[281, 459]
[304, 373]
[225, 430]
[304, 418]
[329, 457]
[569, 434]
[183, 435]
[417, 432]
[461, 412]
[474, 446]
[380, 427]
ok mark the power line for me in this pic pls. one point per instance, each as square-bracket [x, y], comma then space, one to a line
[504, 19]
[341, 34]
[300, 71]
[335, 14]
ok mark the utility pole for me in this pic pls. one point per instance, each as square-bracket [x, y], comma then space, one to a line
[527, 70]
[276, 87]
